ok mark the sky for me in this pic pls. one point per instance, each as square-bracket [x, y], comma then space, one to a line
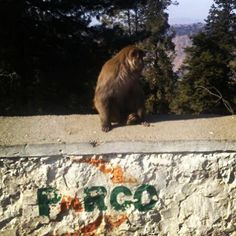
[189, 11]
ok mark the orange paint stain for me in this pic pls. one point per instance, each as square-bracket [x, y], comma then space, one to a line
[118, 176]
[112, 223]
[71, 234]
[68, 202]
[68, 234]
[91, 227]
[117, 173]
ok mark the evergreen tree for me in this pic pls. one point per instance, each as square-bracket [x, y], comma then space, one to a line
[208, 68]
[145, 22]
[51, 53]
[159, 74]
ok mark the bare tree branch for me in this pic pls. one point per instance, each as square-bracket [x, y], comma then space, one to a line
[216, 93]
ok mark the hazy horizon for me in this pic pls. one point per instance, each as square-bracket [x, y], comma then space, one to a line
[188, 12]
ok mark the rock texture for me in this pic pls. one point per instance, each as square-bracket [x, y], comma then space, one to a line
[62, 176]
[165, 194]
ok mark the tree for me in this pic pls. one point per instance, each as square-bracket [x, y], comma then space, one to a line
[207, 66]
[145, 22]
[159, 74]
[51, 51]
[50, 54]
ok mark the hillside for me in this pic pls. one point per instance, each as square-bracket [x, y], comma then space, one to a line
[182, 40]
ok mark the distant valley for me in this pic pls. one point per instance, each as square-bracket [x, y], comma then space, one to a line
[182, 40]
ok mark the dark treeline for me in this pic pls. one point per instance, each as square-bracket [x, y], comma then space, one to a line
[51, 52]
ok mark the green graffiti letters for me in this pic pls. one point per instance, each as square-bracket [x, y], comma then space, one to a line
[46, 197]
[118, 190]
[95, 198]
[139, 194]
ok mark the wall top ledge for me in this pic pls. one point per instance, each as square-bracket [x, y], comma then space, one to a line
[117, 147]
[81, 135]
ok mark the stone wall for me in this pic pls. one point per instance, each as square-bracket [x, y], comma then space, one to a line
[152, 193]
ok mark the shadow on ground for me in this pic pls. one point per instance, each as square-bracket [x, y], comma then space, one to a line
[162, 118]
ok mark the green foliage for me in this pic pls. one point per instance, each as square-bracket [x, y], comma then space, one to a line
[55, 52]
[51, 51]
[209, 64]
[146, 23]
[159, 74]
